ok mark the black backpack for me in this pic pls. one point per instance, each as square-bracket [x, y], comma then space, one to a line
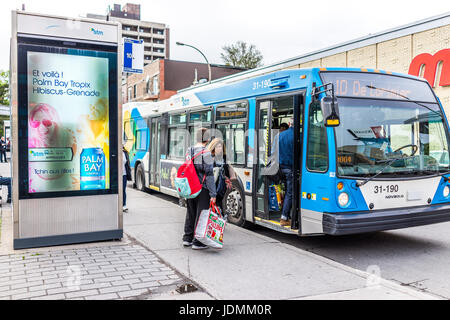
[221, 187]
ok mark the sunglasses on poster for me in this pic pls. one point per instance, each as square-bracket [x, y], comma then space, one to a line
[47, 123]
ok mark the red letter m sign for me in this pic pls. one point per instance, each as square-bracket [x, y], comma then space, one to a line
[430, 64]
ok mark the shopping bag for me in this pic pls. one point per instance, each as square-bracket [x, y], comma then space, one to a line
[210, 227]
[275, 198]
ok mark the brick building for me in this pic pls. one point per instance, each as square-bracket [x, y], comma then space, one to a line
[162, 78]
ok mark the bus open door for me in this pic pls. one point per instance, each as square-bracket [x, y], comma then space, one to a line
[268, 196]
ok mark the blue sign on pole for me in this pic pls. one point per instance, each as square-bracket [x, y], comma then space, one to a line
[133, 56]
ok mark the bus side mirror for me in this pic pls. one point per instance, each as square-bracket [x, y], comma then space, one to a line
[330, 111]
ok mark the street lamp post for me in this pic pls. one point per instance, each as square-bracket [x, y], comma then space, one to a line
[209, 67]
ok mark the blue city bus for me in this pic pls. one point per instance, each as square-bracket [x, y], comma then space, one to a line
[370, 152]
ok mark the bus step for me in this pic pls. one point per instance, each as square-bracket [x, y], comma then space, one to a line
[275, 225]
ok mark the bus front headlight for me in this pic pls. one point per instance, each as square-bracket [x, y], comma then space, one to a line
[446, 191]
[343, 199]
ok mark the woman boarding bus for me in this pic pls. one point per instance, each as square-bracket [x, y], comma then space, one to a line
[370, 148]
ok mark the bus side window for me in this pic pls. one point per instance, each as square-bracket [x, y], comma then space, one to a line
[128, 134]
[317, 146]
[177, 135]
[127, 130]
[238, 144]
[141, 139]
[177, 142]
[231, 125]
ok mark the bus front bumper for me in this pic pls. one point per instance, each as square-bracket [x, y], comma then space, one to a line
[379, 220]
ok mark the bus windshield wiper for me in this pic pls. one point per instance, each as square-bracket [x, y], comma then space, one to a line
[436, 174]
[391, 161]
[405, 97]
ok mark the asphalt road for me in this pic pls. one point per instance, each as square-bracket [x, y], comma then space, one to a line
[418, 257]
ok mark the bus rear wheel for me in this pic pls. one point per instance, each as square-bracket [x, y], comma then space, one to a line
[233, 204]
[139, 178]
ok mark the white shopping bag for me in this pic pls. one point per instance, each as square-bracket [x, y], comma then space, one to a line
[210, 227]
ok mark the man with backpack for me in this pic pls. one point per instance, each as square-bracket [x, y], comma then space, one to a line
[203, 163]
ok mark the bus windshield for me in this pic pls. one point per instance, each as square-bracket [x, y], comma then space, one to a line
[373, 133]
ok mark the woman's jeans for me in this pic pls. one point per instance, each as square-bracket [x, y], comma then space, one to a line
[124, 190]
[287, 203]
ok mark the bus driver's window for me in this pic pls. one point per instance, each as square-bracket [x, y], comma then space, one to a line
[317, 155]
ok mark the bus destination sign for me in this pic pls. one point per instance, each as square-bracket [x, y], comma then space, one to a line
[378, 86]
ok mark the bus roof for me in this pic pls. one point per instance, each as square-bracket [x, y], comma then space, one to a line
[267, 84]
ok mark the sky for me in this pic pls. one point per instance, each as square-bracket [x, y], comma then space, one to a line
[280, 29]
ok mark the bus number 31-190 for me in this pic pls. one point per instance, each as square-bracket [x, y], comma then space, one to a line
[387, 189]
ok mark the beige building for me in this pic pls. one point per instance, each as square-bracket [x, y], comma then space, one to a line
[426, 41]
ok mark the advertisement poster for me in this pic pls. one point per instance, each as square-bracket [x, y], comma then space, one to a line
[169, 171]
[68, 123]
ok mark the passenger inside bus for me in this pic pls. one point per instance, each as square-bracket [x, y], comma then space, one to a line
[284, 126]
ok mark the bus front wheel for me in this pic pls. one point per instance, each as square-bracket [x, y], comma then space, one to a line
[233, 204]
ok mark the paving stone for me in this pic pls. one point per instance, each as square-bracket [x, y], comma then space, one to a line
[147, 284]
[96, 285]
[125, 281]
[94, 276]
[5, 288]
[16, 273]
[29, 295]
[106, 270]
[86, 281]
[50, 297]
[133, 293]
[43, 277]
[132, 268]
[165, 269]
[168, 282]
[13, 292]
[154, 278]
[118, 273]
[163, 273]
[129, 261]
[45, 286]
[119, 265]
[13, 282]
[109, 279]
[43, 269]
[106, 296]
[61, 290]
[82, 293]
[27, 284]
[54, 280]
[137, 275]
[114, 289]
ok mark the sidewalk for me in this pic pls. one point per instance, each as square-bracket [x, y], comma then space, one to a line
[250, 266]
[94, 271]
[109, 270]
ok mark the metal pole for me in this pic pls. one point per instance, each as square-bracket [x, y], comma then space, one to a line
[209, 66]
